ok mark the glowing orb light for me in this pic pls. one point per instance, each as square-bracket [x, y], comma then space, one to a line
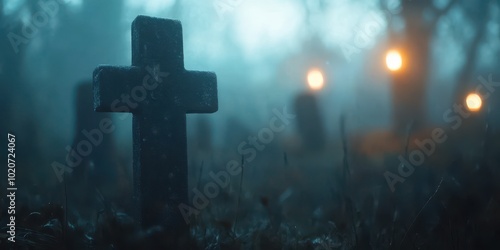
[315, 79]
[474, 102]
[393, 60]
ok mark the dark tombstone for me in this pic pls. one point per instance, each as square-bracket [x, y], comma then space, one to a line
[158, 91]
[309, 122]
[94, 154]
[97, 167]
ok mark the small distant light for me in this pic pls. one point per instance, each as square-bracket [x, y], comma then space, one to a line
[315, 79]
[474, 102]
[394, 60]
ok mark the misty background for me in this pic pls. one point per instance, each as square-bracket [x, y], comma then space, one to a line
[325, 175]
[260, 50]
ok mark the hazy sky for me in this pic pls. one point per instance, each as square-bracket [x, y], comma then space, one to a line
[259, 50]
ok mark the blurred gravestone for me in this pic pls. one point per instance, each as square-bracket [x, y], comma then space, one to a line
[95, 149]
[235, 132]
[98, 165]
[309, 122]
[161, 93]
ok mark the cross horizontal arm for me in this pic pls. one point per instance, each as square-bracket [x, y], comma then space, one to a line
[201, 92]
[111, 83]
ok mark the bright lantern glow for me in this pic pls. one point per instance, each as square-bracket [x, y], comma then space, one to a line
[474, 102]
[393, 60]
[315, 79]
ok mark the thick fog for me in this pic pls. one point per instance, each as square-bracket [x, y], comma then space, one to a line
[259, 50]
[337, 123]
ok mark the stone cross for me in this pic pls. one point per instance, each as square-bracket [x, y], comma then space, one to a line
[158, 91]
